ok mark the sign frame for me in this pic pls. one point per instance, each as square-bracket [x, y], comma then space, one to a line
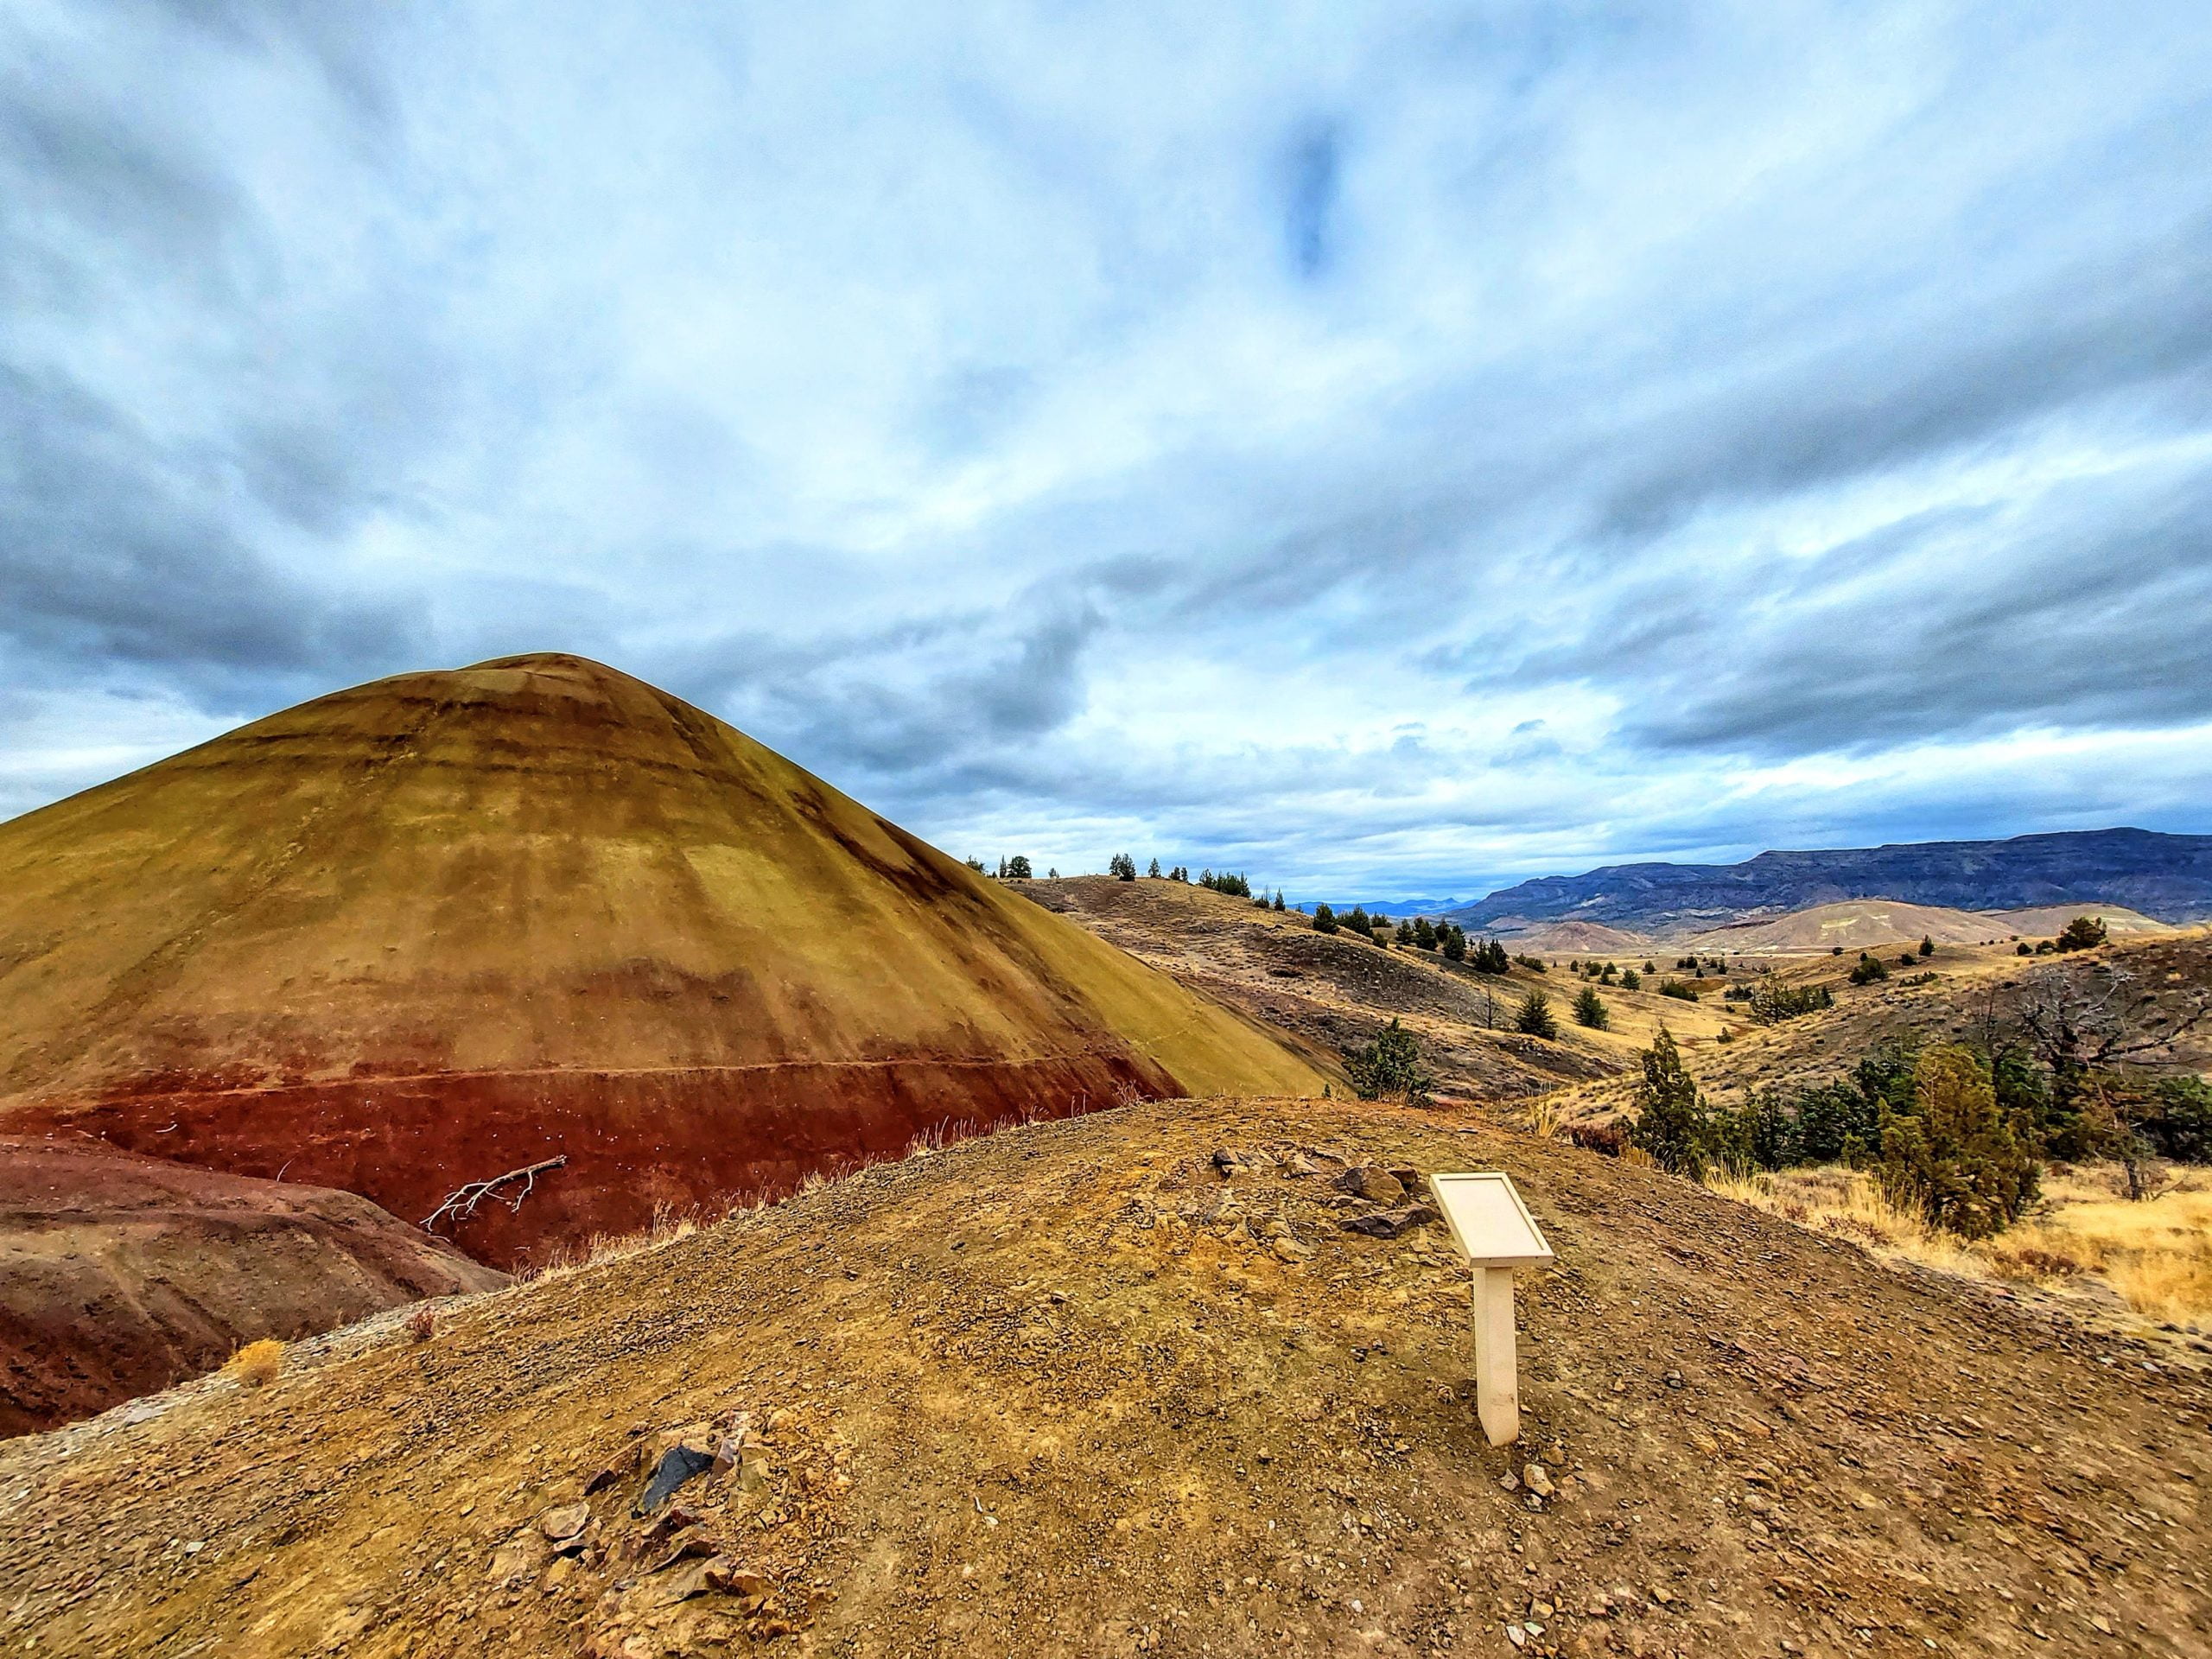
[1507, 1236]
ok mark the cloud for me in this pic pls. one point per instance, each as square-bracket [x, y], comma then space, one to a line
[1419, 446]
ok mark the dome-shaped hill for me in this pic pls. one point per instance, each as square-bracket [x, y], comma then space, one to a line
[441, 926]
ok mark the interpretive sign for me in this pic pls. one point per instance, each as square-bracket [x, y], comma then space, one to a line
[1496, 1232]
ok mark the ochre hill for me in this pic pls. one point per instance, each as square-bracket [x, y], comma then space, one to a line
[1129, 1385]
[439, 927]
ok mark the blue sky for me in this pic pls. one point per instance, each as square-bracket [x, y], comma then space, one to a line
[1390, 449]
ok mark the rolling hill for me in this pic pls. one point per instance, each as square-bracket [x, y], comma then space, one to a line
[449, 925]
[1880, 923]
[2166, 877]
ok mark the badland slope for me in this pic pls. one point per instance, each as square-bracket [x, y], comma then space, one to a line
[1130, 1384]
[448, 924]
[2167, 877]
[1330, 993]
[120, 1276]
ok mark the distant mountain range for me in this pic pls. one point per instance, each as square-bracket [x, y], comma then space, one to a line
[2169, 877]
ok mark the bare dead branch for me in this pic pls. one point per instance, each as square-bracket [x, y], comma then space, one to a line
[460, 1204]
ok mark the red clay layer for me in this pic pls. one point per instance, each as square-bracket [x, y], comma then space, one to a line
[634, 1140]
[120, 1276]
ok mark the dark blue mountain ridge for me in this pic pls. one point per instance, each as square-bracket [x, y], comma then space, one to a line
[2168, 877]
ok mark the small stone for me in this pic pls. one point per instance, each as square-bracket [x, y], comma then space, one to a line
[1288, 1249]
[564, 1521]
[1377, 1185]
[1517, 1635]
[1673, 1379]
[1510, 1481]
[1537, 1481]
[2097, 1622]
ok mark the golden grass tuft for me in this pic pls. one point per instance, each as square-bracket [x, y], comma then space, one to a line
[258, 1363]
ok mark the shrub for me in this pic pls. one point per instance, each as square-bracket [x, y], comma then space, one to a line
[1868, 969]
[1956, 1157]
[1390, 1068]
[2082, 933]
[1610, 1139]
[1534, 1017]
[1927, 945]
[423, 1323]
[2175, 1117]
[1771, 1003]
[2022, 950]
[1680, 989]
[1589, 1010]
[1534, 965]
[1672, 1124]
[1325, 919]
[258, 1363]
[1122, 867]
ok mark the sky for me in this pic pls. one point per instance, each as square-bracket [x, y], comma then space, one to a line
[1389, 450]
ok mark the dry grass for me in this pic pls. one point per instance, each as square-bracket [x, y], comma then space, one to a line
[258, 1363]
[2157, 1256]
[1849, 1205]
[1542, 1118]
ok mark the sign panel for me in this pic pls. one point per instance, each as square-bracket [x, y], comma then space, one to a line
[1488, 1220]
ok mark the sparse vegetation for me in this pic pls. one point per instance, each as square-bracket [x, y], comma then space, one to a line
[259, 1364]
[1680, 989]
[1868, 969]
[2082, 933]
[1235, 886]
[1534, 1017]
[1390, 1068]
[1772, 1003]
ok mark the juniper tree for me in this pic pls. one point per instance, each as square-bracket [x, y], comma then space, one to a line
[1672, 1122]
[1534, 1017]
[1390, 1068]
[1325, 919]
[1589, 1010]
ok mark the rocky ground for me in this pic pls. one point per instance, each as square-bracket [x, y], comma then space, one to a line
[1156, 1381]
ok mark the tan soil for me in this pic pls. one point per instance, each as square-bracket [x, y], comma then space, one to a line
[1050, 1393]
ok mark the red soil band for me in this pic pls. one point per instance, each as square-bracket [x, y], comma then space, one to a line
[635, 1142]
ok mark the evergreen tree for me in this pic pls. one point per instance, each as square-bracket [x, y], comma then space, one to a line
[1455, 942]
[1405, 933]
[1631, 979]
[1424, 934]
[2082, 933]
[1278, 904]
[1121, 867]
[1534, 1017]
[1325, 919]
[1956, 1157]
[1927, 945]
[1390, 1068]
[1017, 867]
[1154, 871]
[1357, 921]
[1589, 1010]
[1672, 1122]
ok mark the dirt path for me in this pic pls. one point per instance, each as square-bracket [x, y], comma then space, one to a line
[1072, 1389]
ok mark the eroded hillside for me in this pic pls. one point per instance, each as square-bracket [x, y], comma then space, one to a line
[1130, 1384]
[1331, 992]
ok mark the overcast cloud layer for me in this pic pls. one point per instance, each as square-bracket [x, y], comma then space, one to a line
[1388, 448]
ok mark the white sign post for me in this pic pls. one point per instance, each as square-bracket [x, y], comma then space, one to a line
[1496, 1232]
